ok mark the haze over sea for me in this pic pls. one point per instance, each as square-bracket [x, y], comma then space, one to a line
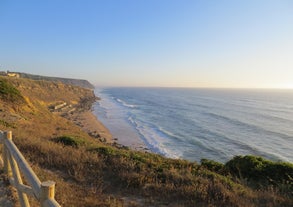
[193, 124]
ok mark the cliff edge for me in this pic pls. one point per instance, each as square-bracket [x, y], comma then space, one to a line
[70, 81]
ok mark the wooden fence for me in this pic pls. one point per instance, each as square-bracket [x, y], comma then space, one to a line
[15, 166]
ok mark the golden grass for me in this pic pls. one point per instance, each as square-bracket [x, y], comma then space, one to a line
[96, 174]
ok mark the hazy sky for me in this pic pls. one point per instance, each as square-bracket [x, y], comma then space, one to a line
[220, 43]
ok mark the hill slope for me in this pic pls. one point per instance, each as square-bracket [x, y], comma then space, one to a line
[90, 172]
[69, 81]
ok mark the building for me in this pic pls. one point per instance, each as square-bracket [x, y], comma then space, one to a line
[16, 75]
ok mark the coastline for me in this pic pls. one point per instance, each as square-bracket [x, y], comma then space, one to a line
[91, 125]
[122, 133]
[82, 115]
[119, 174]
[86, 117]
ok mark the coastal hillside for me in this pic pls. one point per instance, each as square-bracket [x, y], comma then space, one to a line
[69, 81]
[54, 128]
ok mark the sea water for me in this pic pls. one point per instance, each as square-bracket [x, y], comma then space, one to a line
[192, 124]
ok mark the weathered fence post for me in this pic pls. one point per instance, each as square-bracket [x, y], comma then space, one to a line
[2, 149]
[47, 192]
[15, 166]
[15, 174]
[7, 166]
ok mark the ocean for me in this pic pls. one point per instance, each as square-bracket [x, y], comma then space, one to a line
[192, 124]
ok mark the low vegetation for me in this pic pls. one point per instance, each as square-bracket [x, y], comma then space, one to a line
[9, 93]
[90, 173]
[69, 141]
[6, 124]
[257, 172]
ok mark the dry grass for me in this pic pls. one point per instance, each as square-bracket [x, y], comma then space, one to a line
[96, 174]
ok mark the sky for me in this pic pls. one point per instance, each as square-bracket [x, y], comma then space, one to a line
[159, 43]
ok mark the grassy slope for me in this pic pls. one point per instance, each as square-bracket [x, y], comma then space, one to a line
[90, 173]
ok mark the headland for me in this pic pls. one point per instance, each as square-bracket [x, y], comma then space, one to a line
[55, 130]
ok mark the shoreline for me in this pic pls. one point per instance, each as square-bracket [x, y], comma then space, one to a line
[87, 118]
[124, 135]
[121, 135]
[82, 115]
[91, 125]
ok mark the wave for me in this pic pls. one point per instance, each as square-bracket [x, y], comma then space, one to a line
[125, 104]
[168, 133]
[167, 143]
[215, 141]
[224, 144]
[151, 138]
[192, 127]
[251, 127]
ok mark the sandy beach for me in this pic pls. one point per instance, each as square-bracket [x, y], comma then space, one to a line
[121, 134]
[90, 124]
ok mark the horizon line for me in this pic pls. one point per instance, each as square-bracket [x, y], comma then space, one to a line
[196, 87]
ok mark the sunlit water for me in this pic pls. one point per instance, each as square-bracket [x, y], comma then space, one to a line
[202, 123]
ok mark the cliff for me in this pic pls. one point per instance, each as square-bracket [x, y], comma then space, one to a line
[70, 81]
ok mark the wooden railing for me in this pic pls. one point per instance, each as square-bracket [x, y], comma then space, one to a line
[15, 166]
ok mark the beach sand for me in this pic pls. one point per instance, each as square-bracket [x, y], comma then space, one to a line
[122, 132]
[90, 124]
[125, 135]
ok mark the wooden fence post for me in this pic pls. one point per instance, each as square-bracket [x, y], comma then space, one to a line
[2, 149]
[47, 192]
[18, 182]
[13, 173]
[7, 166]
[15, 166]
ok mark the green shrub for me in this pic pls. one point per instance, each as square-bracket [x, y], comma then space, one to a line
[106, 151]
[70, 141]
[212, 165]
[279, 172]
[9, 93]
[246, 166]
[261, 172]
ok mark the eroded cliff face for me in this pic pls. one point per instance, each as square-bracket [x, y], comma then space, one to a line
[31, 109]
[49, 91]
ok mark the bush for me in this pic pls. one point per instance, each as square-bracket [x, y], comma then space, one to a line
[212, 165]
[106, 151]
[9, 93]
[246, 167]
[261, 171]
[69, 141]
[279, 172]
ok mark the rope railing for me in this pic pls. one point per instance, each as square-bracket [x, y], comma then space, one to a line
[15, 166]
